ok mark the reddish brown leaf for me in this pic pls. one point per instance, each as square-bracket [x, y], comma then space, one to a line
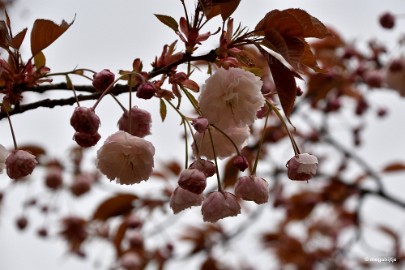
[174, 167]
[394, 167]
[117, 205]
[212, 8]
[5, 39]
[18, 39]
[319, 85]
[119, 236]
[36, 150]
[45, 32]
[284, 80]
[230, 174]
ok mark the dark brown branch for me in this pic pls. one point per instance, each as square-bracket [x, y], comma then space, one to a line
[51, 103]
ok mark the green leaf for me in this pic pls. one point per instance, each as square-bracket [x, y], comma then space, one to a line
[45, 32]
[69, 84]
[39, 60]
[163, 109]
[168, 21]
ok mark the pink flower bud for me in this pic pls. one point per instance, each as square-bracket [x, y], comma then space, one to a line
[86, 139]
[102, 79]
[130, 261]
[252, 188]
[22, 223]
[134, 222]
[219, 205]
[85, 120]
[193, 180]
[182, 199]
[146, 90]
[135, 240]
[302, 167]
[140, 122]
[200, 124]
[53, 179]
[20, 163]
[81, 184]
[387, 20]
[205, 166]
[241, 163]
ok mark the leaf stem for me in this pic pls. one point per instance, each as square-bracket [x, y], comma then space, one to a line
[260, 144]
[216, 161]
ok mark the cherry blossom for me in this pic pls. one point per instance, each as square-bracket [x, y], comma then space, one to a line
[219, 205]
[252, 188]
[231, 97]
[302, 166]
[223, 146]
[182, 199]
[140, 122]
[126, 158]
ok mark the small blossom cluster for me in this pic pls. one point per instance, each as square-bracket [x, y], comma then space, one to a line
[18, 163]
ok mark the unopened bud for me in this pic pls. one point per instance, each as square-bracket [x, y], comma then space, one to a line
[182, 199]
[86, 139]
[205, 166]
[241, 163]
[102, 79]
[20, 163]
[85, 120]
[140, 122]
[252, 188]
[200, 124]
[146, 90]
[193, 180]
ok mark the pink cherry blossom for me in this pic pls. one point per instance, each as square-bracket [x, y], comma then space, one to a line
[223, 147]
[126, 158]
[20, 163]
[182, 199]
[252, 188]
[200, 124]
[219, 205]
[231, 97]
[205, 166]
[302, 167]
[140, 122]
[193, 180]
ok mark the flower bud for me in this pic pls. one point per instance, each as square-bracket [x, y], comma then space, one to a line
[20, 163]
[205, 166]
[21, 223]
[252, 188]
[241, 163]
[140, 122]
[387, 20]
[102, 79]
[134, 222]
[85, 120]
[81, 184]
[182, 199]
[53, 179]
[193, 180]
[130, 261]
[302, 167]
[135, 240]
[146, 90]
[86, 139]
[219, 205]
[200, 124]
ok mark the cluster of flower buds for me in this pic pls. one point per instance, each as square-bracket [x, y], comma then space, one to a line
[86, 123]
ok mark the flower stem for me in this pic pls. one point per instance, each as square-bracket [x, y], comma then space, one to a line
[229, 138]
[280, 117]
[130, 103]
[260, 144]
[216, 161]
[11, 129]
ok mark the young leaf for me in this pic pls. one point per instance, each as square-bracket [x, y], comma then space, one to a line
[163, 110]
[39, 60]
[285, 83]
[117, 205]
[45, 32]
[5, 39]
[394, 167]
[18, 39]
[212, 8]
[169, 21]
